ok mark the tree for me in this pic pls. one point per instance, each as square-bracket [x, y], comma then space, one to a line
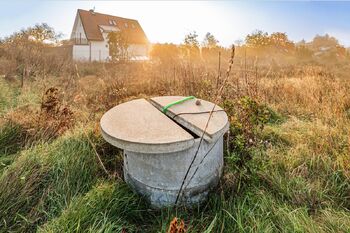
[277, 41]
[26, 48]
[40, 33]
[43, 32]
[210, 47]
[191, 46]
[280, 40]
[257, 39]
[210, 41]
[324, 41]
[118, 46]
[327, 47]
[191, 40]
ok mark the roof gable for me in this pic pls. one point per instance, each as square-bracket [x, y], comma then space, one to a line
[92, 22]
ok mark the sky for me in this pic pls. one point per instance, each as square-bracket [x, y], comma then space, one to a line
[169, 22]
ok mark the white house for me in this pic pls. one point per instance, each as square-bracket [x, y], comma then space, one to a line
[89, 36]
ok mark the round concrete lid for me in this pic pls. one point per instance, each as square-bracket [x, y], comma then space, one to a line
[140, 127]
[194, 117]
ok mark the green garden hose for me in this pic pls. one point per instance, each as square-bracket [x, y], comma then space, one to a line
[165, 108]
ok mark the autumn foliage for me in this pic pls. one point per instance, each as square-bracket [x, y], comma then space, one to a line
[177, 226]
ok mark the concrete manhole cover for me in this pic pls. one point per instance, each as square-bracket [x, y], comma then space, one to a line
[159, 145]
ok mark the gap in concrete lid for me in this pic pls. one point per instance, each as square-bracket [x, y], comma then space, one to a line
[193, 134]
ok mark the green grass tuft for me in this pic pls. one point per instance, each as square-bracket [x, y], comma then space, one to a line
[43, 181]
[107, 207]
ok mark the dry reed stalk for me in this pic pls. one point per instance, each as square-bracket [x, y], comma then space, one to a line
[97, 155]
[219, 71]
[219, 93]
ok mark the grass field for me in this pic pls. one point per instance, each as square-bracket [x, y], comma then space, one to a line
[286, 160]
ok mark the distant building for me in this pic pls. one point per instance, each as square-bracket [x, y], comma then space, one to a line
[89, 36]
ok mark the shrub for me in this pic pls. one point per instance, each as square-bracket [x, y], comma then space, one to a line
[52, 120]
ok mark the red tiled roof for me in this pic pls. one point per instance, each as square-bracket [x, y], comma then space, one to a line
[130, 27]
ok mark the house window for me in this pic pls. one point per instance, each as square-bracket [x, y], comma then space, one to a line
[110, 22]
[80, 38]
[114, 23]
[126, 25]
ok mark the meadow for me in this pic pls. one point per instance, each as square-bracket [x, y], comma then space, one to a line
[287, 164]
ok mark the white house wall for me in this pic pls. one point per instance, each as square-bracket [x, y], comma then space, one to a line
[78, 30]
[99, 51]
[81, 47]
[81, 52]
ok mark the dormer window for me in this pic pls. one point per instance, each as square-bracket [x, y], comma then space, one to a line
[114, 23]
[110, 22]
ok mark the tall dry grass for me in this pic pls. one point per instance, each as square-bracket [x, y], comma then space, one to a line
[287, 163]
